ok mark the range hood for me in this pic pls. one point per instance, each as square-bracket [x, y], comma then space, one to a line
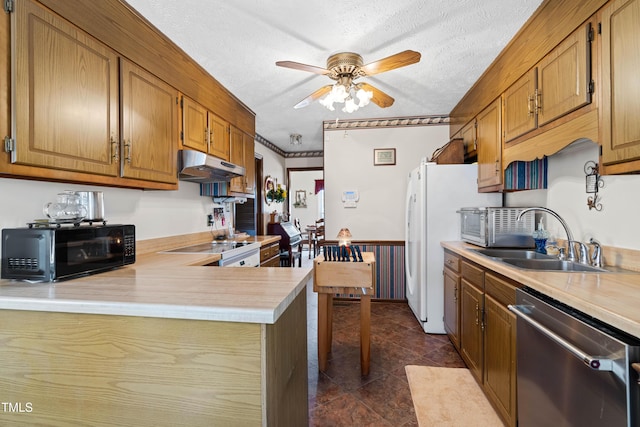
[200, 167]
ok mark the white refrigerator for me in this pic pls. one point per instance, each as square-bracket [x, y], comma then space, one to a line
[434, 194]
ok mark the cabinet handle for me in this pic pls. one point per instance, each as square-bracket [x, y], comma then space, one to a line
[127, 146]
[455, 294]
[538, 96]
[497, 165]
[530, 101]
[115, 151]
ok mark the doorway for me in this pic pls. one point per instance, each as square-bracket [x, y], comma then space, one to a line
[305, 203]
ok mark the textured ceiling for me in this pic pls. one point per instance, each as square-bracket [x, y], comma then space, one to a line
[239, 41]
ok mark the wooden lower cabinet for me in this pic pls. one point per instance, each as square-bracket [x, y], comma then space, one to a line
[487, 334]
[451, 296]
[270, 255]
[500, 358]
[88, 369]
[471, 339]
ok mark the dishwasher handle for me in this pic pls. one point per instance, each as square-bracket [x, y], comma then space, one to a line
[594, 362]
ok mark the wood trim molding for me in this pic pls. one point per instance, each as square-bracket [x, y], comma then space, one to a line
[366, 242]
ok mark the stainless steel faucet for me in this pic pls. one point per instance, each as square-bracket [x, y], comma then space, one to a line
[596, 256]
[571, 250]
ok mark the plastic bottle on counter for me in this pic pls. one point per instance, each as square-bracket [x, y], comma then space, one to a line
[552, 246]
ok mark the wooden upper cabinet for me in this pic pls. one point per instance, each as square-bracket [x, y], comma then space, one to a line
[219, 139]
[468, 135]
[620, 106]
[489, 141]
[564, 77]
[559, 84]
[195, 131]
[519, 106]
[242, 153]
[66, 95]
[149, 126]
[249, 163]
[237, 157]
[204, 131]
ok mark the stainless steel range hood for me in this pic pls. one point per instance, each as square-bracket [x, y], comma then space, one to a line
[200, 167]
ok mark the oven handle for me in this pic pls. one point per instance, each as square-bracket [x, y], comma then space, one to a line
[593, 362]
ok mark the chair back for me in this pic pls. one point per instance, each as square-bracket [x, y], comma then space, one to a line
[320, 229]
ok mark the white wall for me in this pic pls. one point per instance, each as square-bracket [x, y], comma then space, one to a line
[348, 158]
[616, 225]
[154, 213]
[273, 165]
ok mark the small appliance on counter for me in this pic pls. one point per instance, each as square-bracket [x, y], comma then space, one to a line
[51, 252]
[497, 227]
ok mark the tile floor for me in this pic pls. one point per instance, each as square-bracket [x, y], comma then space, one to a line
[341, 396]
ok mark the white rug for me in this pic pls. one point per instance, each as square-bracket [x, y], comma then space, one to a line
[449, 397]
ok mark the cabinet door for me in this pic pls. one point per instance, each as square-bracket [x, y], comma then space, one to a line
[195, 133]
[66, 95]
[564, 77]
[519, 106]
[219, 144]
[451, 312]
[237, 157]
[489, 139]
[471, 309]
[249, 163]
[468, 134]
[149, 126]
[620, 127]
[500, 358]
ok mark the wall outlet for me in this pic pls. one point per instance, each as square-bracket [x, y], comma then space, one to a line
[209, 220]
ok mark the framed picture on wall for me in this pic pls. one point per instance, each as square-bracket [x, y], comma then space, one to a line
[301, 199]
[384, 156]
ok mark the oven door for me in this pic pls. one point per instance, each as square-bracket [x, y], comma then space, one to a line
[250, 259]
[473, 226]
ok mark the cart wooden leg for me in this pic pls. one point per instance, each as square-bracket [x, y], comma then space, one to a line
[365, 333]
[324, 328]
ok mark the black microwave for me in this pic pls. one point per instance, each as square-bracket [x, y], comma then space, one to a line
[53, 253]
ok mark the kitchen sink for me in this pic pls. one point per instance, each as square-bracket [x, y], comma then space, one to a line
[532, 260]
[513, 253]
[550, 264]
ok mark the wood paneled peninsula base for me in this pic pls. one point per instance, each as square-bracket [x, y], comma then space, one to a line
[157, 347]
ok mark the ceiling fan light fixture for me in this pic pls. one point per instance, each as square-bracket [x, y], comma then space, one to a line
[343, 94]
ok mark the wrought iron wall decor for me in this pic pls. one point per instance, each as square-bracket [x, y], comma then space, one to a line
[593, 182]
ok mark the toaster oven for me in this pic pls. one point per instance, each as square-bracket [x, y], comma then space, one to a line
[497, 227]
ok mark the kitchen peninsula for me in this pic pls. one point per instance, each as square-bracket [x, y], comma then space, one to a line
[166, 341]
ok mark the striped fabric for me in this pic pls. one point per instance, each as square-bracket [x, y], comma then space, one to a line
[390, 279]
[526, 175]
[214, 189]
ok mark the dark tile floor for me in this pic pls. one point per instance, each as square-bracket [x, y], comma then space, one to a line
[341, 396]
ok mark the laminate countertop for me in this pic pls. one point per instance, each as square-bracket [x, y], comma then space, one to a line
[178, 286]
[613, 298]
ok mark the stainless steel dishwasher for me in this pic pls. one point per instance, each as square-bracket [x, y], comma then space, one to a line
[572, 369]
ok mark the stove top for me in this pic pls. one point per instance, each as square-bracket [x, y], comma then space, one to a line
[223, 247]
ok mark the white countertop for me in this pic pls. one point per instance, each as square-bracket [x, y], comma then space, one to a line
[613, 298]
[169, 286]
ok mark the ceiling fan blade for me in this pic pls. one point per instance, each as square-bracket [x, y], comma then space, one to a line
[302, 67]
[379, 98]
[392, 62]
[315, 95]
